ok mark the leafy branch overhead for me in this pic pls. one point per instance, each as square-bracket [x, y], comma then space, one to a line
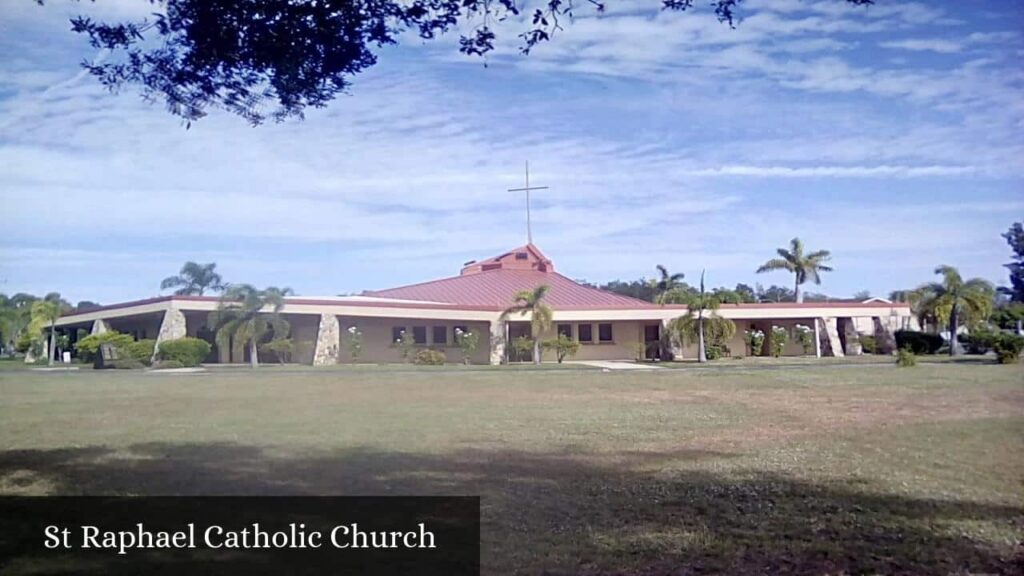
[248, 56]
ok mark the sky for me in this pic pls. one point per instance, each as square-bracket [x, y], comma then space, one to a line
[890, 135]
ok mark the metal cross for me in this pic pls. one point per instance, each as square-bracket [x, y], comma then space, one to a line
[527, 189]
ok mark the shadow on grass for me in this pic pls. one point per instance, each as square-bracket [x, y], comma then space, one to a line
[563, 512]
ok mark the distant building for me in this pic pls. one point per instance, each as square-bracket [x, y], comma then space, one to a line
[609, 326]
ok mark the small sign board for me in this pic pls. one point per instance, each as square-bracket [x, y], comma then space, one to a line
[107, 356]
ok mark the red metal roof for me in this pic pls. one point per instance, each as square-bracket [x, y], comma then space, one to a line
[497, 289]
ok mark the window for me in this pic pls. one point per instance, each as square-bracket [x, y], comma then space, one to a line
[522, 256]
[440, 334]
[462, 329]
[419, 334]
[396, 333]
[565, 329]
[586, 332]
[604, 332]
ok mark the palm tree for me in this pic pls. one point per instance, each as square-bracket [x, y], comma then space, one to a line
[541, 315]
[803, 267]
[701, 322]
[955, 299]
[240, 318]
[45, 313]
[669, 288]
[194, 279]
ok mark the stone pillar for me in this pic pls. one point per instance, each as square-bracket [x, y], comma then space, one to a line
[853, 347]
[885, 340]
[497, 341]
[99, 327]
[328, 341]
[832, 345]
[171, 328]
[672, 344]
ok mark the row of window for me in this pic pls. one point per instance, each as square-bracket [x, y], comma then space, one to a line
[585, 332]
[439, 334]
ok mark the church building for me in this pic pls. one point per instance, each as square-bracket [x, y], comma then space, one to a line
[608, 326]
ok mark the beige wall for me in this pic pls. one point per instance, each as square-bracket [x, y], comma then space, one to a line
[625, 335]
[378, 346]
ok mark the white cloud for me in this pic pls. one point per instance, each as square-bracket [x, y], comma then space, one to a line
[678, 141]
[939, 45]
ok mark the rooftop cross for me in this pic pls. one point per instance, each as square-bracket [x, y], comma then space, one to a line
[527, 189]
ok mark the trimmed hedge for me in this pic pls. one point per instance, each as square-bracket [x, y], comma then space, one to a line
[430, 358]
[918, 342]
[1008, 348]
[189, 351]
[126, 364]
[979, 341]
[89, 346]
[141, 350]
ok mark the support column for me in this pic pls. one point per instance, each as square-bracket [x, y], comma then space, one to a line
[853, 347]
[498, 329]
[171, 328]
[673, 346]
[328, 341]
[99, 327]
[885, 341]
[833, 346]
[817, 339]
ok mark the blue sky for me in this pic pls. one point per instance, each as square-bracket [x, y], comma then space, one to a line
[890, 135]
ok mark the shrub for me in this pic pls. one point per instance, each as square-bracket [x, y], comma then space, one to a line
[281, 347]
[522, 347]
[355, 343]
[905, 358]
[468, 342]
[429, 357]
[126, 364]
[563, 346]
[168, 365]
[405, 345]
[141, 350]
[188, 351]
[89, 346]
[755, 341]
[713, 351]
[868, 344]
[778, 341]
[805, 336]
[979, 341]
[1008, 348]
[918, 342]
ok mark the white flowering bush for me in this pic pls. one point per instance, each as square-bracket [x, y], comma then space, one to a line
[355, 342]
[468, 342]
[778, 342]
[805, 336]
[405, 344]
[755, 341]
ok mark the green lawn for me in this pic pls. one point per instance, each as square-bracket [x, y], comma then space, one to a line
[829, 469]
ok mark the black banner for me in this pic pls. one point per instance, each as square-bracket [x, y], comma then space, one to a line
[240, 535]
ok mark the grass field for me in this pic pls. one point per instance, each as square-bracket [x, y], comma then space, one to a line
[828, 469]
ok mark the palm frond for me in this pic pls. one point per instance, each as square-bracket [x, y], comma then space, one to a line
[796, 248]
[776, 264]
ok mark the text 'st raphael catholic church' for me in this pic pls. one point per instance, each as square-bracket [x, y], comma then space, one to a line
[608, 326]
